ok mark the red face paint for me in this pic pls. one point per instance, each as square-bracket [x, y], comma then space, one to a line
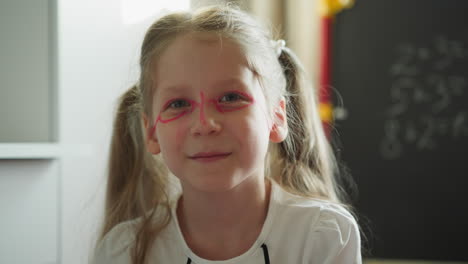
[169, 113]
[202, 109]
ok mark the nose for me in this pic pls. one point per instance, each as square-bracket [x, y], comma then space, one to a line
[205, 122]
[209, 127]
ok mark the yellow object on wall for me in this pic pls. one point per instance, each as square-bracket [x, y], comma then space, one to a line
[328, 8]
[326, 112]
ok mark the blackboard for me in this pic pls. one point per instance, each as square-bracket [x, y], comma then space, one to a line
[400, 68]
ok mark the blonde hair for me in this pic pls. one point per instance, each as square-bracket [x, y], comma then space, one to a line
[138, 182]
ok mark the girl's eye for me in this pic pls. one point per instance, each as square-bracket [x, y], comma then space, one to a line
[230, 97]
[178, 104]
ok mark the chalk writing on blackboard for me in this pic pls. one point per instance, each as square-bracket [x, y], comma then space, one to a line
[427, 97]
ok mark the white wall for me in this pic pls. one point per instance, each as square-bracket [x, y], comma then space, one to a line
[51, 208]
[29, 189]
[97, 62]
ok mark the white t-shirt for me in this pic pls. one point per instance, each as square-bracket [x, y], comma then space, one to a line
[296, 230]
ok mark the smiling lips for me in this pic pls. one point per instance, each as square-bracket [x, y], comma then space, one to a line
[209, 156]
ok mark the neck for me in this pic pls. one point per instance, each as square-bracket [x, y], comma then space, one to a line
[215, 223]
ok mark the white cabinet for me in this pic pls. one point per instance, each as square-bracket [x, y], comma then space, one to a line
[26, 71]
[29, 168]
[28, 107]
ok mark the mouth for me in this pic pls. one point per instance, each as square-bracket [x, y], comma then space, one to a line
[209, 156]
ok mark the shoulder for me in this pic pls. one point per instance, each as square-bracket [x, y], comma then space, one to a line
[335, 220]
[320, 213]
[337, 234]
[115, 246]
[328, 231]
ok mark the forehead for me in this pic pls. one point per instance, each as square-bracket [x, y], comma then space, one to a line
[200, 60]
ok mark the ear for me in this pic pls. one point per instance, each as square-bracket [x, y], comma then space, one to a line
[152, 143]
[279, 130]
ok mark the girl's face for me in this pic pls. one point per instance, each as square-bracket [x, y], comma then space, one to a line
[212, 126]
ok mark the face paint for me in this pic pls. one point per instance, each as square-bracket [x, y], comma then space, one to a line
[202, 108]
[170, 113]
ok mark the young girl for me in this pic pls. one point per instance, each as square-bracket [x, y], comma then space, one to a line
[225, 109]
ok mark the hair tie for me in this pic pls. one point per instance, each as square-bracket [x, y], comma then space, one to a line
[278, 45]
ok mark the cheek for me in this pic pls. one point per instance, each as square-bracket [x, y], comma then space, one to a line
[252, 133]
[180, 134]
[172, 136]
[254, 147]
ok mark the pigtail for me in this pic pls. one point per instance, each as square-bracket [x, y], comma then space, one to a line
[125, 162]
[304, 162]
[136, 181]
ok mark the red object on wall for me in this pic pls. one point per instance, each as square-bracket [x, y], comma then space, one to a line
[325, 92]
